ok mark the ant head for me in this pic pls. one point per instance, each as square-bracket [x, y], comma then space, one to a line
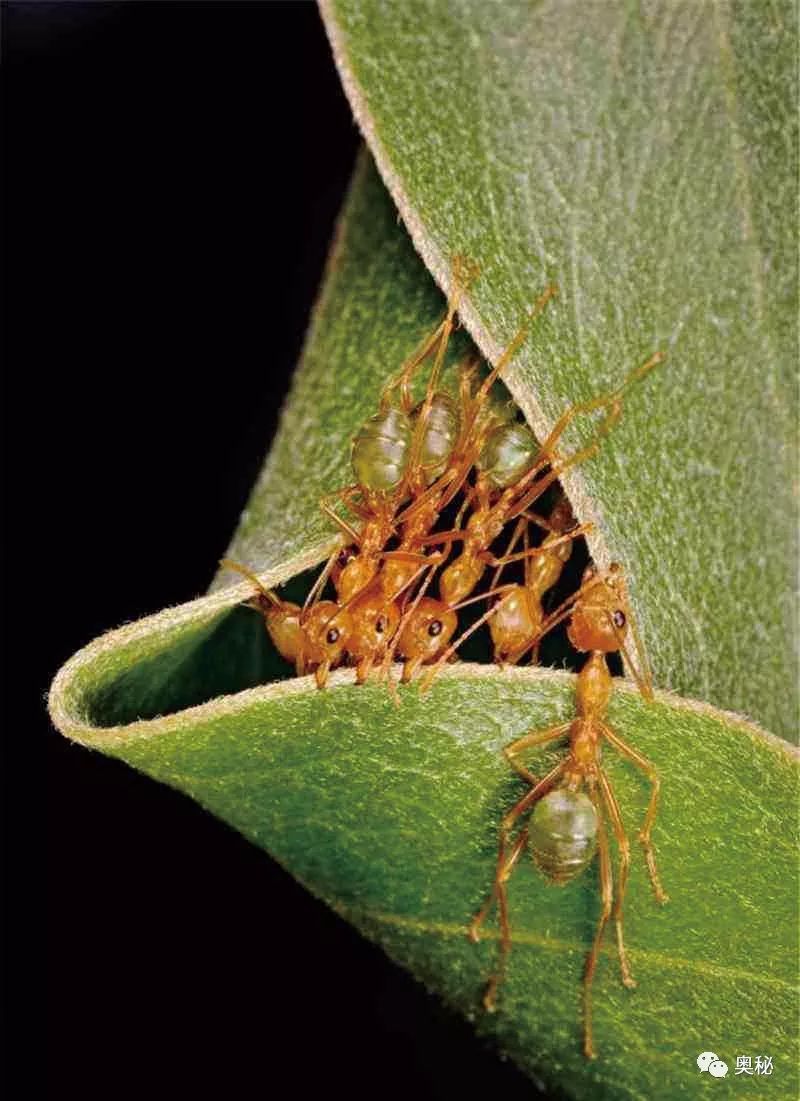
[561, 518]
[600, 616]
[327, 630]
[374, 623]
[428, 631]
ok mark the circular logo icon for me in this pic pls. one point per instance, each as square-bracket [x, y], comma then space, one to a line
[705, 1060]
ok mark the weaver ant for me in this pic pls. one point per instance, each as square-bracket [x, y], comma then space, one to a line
[313, 643]
[503, 494]
[567, 824]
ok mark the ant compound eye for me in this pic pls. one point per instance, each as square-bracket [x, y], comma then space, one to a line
[435, 628]
[619, 618]
[380, 624]
[345, 556]
[332, 636]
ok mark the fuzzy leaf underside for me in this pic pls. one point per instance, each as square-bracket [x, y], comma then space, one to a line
[644, 156]
[390, 815]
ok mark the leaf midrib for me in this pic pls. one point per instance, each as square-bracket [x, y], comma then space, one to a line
[554, 944]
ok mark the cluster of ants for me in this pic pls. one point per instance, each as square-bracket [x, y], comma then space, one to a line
[411, 462]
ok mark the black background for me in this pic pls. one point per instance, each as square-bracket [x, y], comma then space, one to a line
[173, 174]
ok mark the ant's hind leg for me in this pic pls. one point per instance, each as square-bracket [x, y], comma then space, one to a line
[500, 893]
[505, 865]
[606, 894]
[652, 809]
[615, 817]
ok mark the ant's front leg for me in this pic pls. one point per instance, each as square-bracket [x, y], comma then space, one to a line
[652, 809]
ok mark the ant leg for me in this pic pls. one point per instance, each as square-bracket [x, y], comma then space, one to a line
[489, 558]
[319, 584]
[542, 522]
[363, 669]
[346, 496]
[403, 379]
[463, 273]
[505, 865]
[423, 498]
[520, 529]
[515, 344]
[528, 741]
[612, 401]
[237, 567]
[615, 817]
[602, 401]
[644, 833]
[345, 527]
[606, 894]
[640, 673]
[443, 537]
[502, 876]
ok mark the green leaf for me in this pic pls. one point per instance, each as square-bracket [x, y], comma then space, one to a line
[390, 815]
[645, 157]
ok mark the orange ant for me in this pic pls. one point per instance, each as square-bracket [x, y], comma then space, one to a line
[507, 483]
[391, 453]
[444, 445]
[505, 488]
[517, 617]
[424, 634]
[319, 635]
[568, 824]
[313, 643]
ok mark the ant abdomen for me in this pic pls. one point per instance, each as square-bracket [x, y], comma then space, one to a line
[516, 619]
[563, 834]
[439, 436]
[509, 452]
[380, 450]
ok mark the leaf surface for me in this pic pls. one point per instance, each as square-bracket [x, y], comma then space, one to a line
[644, 156]
[390, 815]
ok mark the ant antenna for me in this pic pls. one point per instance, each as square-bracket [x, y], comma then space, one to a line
[237, 567]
